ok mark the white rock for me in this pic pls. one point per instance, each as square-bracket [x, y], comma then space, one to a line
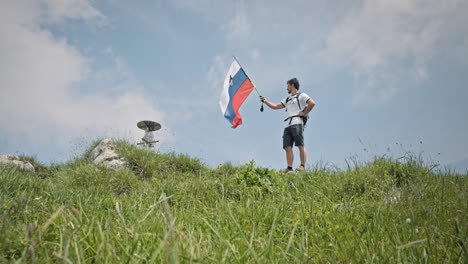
[105, 153]
[16, 161]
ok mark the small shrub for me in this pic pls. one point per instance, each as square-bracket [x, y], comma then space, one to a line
[252, 176]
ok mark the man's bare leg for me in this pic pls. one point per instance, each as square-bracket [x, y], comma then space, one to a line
[303, 154]
[289, 155]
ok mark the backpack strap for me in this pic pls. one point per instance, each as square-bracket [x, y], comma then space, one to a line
[291, 118]
[298, 103]
[304, 118]
[297, 98]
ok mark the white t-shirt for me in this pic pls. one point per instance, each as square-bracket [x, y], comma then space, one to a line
[292, 108]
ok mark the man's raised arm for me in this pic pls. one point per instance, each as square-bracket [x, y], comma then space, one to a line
[271, 105]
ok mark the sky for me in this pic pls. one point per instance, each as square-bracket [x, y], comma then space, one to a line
[389, 77]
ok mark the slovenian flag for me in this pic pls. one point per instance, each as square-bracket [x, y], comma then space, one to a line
[237, 87]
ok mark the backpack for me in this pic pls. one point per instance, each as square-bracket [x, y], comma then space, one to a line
[304, 118]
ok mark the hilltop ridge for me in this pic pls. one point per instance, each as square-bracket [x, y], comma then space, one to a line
[168, 207]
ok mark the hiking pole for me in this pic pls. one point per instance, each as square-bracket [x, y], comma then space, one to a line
[261, 108]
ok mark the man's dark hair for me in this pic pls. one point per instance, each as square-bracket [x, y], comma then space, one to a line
[294, 82]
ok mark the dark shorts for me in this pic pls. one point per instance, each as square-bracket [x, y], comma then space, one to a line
[293, 134]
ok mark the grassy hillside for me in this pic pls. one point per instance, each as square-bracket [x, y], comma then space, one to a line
[172, 208]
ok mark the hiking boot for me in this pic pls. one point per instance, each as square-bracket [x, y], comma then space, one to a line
[300, 168]
[287, 171]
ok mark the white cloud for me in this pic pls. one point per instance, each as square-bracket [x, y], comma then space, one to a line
[386, 45]
[218, 68]
[34, 13]
[233, 18]
[59, 10]
[239, 25]
[40, 74]
[385, 41]
[255, 54]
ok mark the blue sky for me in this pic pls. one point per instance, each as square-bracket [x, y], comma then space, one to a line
[388, 76]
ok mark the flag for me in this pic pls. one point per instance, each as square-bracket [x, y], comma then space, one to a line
[237, 87]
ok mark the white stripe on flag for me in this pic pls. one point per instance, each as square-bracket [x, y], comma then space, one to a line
[224, 99]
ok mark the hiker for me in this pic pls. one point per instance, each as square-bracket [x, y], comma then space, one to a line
[298, 105]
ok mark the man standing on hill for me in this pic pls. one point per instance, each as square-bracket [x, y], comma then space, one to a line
[298, 105]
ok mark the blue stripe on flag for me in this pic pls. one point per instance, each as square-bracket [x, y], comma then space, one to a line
[238, 79]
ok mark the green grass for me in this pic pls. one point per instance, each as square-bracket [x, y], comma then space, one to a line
[173, 208]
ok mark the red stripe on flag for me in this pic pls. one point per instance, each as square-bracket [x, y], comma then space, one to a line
[239, 97]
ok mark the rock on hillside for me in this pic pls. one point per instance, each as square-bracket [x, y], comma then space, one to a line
[105, 153]
[16, 161]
